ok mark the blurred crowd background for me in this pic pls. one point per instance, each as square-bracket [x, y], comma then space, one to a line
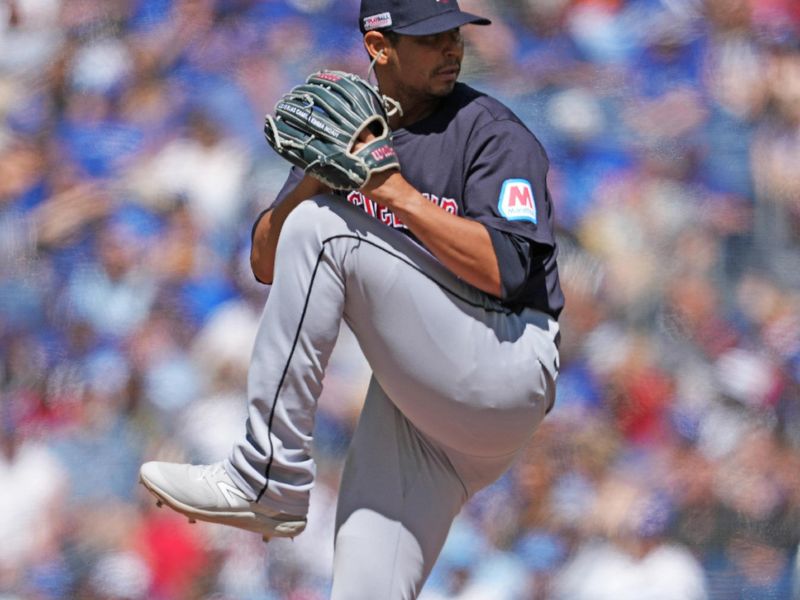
[132, 164]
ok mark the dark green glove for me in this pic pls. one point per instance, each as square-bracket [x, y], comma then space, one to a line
[317, 124]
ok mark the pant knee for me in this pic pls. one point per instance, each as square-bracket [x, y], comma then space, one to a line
[317, 218]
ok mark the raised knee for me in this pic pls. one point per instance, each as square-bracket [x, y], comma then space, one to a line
[302, 218]
[312, 217]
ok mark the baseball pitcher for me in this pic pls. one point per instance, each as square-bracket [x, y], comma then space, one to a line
[417, 211]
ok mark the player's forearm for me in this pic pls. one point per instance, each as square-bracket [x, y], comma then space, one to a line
[462, 245]
[268, 229]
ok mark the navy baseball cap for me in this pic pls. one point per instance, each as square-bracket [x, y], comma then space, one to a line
[415, 17]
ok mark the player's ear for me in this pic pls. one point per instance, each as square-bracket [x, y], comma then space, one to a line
[377, 45]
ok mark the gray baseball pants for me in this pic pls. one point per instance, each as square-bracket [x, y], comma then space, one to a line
[459, 385]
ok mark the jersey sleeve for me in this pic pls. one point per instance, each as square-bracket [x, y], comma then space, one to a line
[295, 175]
[506, 191]
[506, 181]
[528, 272]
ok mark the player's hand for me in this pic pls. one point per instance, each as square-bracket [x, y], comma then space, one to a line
[373, 185]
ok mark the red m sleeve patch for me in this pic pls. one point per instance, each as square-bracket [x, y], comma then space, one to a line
[516, 201]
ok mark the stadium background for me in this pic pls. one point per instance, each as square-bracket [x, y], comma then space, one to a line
[132, 164]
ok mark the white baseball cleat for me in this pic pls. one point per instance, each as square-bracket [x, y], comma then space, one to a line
[207, 493]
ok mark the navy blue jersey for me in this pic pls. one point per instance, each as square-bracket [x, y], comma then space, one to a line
[474, 158]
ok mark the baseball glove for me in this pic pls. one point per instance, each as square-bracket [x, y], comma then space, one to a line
[317, 125]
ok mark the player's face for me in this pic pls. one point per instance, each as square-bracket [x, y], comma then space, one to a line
[429, 64]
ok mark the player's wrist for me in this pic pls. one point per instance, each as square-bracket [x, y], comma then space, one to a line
[388, 188]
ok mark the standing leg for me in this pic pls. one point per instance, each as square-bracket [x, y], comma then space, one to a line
[399, 495]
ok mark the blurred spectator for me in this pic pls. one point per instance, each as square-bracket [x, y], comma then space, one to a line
[113, 294]
[635, 561]
[31, 505]
[204, 168]
[774, 152]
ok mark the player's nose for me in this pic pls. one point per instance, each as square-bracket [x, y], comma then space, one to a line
[451, 42]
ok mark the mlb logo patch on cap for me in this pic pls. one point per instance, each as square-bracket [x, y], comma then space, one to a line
[414, 17]
[378, 21]
[516, 201]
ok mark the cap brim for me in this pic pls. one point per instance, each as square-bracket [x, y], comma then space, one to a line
[441, 22]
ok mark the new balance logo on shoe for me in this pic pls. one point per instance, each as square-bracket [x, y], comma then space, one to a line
[231, 492]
